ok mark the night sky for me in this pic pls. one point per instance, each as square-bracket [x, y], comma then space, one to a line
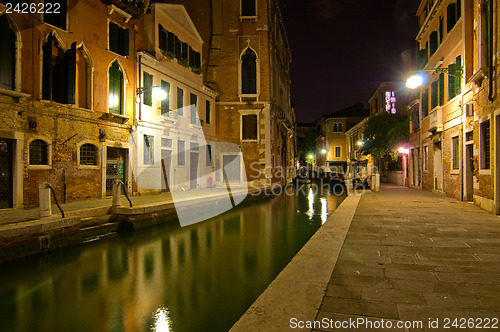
[343, 49]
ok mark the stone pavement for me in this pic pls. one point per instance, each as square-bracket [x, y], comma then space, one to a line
[411, 255]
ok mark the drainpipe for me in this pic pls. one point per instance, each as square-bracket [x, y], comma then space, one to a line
[490, 59]
[140, 85]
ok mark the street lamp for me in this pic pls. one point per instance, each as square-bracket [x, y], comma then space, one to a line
[310, 157]
[418, 80]
[360, 143]
[323, 151]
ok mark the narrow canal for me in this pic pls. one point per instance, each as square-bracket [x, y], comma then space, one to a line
[167, 278]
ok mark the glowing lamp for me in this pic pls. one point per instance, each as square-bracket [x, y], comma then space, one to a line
[414, 81]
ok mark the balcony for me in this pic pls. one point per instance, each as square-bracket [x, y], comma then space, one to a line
[436, 120]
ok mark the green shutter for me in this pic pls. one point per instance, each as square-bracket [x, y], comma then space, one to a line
[70, 75]
[458, 79]
[441, 89]
[180, 101]
[147, 80]
[434, 94]
[115, 89]
[170, 42]
[47, 69]
[433, 42]
[451, 82]
[197, 60]
[184, 54]
[441, 29]
[425, 103]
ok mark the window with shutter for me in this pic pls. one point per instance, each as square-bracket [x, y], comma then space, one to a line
[170, 42]
[118, 39]
[249, 72]
[434, 94]
[7, 55]
[433, 42]
[425, 103]
[70, 75]
[115, 89]
[458, 70]
[184, 51]
[53, 71]
[451, 82]
[178, 47]
[441, 89]
[162, 38]
[148, 88]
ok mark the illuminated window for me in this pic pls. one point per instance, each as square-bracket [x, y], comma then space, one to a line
[115, 96]
[165, 103]
[338, 152]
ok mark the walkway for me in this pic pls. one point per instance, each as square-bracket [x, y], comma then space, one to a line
[411, 255]
[398, 256]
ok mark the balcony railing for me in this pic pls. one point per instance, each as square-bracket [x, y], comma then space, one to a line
[436, 120]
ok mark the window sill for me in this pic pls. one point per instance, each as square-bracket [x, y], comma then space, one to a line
[117, 118]
[40, 167]
[455, 172]
[485, 171]
[250, 17]
[95, 167]
[15, 94]
[249, 140]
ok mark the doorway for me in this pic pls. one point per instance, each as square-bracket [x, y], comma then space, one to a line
[438, 167]
[193, 169]
[6, 176]
[166, 157]
[469, 166]
[116, 161]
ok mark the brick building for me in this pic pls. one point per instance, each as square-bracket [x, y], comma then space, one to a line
[246, 60]
[66, 98]
[459, 105]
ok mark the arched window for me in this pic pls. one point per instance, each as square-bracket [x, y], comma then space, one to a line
[249, 72]
[335, 128]
[59, 71]
[88, 154]
[115, 98]
[339, 128]
[7, 55]
[39, 152]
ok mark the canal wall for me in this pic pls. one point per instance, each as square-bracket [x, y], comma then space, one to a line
[39, 236]
[297, 292]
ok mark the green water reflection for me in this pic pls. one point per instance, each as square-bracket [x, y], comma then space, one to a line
[166, 278]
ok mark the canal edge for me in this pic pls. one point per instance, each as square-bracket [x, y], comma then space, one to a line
[298, 290]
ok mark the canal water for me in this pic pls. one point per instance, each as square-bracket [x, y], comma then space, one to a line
[166, 278]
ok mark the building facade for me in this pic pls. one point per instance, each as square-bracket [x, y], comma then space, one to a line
[459, 107]
[67, 100]
[173, 135]
[246, 60]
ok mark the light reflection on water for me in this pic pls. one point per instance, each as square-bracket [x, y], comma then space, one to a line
[166, 278]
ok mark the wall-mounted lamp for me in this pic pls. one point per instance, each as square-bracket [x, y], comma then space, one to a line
[157, 91]
[418, 79]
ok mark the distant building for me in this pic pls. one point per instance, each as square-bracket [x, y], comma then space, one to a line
[306, 140]
[331, 143]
